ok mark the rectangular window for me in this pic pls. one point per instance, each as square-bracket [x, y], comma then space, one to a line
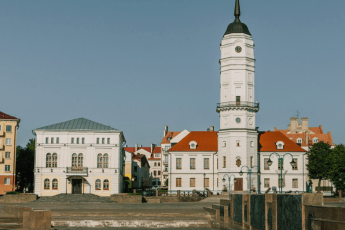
[178, 182]
[266, 167]
[206, 163]
[57, 140]
[7, 168]
[52, 140]
[154, 173]
[72, 140]
[238, 100]
[8, 128]
[159, 163]
[167, 148]
[178, 163]
[77, 140]
[251, 162]
[7, 181]
[8, 141]
[102, 140]
[159, 172]
[47, 140]
[108, 141]
[224, 162]
[192, 163]
[295, 165]
[295, 183]
[8, 155]
[192, 182]
[97, 140]
[166, 169]
[217, 183]
[206, 182]
[267, 182]
[279, 183]
[83, 140]
[135, 168]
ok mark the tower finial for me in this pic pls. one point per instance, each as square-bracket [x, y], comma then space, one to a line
[237, 10]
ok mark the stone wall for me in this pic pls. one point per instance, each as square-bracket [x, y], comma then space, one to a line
[126, 199]
[18, 198]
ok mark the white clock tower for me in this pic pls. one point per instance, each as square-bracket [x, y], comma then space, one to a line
[237, 138]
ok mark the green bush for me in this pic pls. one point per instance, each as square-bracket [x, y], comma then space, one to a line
[12, 192]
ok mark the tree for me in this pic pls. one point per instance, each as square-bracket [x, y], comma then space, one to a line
[25, 165]
[166, 182]
[319, 161]
[337, 172]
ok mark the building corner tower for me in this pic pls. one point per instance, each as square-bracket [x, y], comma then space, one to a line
[237, 137]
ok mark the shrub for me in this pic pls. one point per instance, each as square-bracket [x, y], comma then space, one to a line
[12, 192]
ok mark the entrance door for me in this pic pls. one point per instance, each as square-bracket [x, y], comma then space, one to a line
[239, 184]
[76, 186]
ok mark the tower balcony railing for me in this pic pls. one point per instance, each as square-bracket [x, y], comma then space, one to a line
[247, 104]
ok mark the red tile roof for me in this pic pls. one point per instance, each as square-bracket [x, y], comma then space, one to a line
[157, 150]
[207, 141]
[148, 149]
[170, 135]
[4, 116]
[268, 140]
[317, 132]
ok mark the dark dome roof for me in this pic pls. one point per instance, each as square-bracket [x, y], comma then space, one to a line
[237, 27]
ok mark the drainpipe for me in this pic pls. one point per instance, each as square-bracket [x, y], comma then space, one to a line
[15, 155]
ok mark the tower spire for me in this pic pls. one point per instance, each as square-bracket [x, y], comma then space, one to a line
[237, 10]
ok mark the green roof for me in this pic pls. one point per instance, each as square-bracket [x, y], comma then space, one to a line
[79, 124]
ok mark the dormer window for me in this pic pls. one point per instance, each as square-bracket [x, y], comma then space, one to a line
[280, 145]
[299, 141]
[192, 145]
[315, 140]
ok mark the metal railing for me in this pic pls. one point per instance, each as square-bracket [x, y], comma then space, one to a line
[239, 104]
[166, 162]
[77, 170]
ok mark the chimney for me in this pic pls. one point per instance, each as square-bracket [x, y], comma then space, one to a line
[304, 121]
[152, 147]
[294, 124]
[136, 147]
[140, 146]
[165, 130]
[212, 128]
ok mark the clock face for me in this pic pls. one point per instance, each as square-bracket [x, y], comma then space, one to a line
[238, 120]
[238, 49]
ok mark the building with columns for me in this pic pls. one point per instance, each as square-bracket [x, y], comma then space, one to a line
[78, 156]
[237, 137]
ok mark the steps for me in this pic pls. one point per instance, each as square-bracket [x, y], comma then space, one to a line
[74, 198]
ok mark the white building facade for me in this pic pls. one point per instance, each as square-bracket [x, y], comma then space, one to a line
[78, 157]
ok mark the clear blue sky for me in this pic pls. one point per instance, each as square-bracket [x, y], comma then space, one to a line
[138, 65]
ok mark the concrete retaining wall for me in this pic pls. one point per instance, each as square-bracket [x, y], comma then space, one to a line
[16, 211]
[18, 198]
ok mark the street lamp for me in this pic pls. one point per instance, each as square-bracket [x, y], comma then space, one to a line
[229, 178]
[281, 160]
[250, 175]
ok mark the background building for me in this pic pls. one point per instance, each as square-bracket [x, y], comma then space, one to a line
[8, 141]
[79, 156]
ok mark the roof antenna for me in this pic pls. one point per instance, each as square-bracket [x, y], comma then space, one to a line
[298, 114]
[237, 11]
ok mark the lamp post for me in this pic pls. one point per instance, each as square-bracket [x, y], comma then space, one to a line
[281, 160]
[250, 175]
[229, 178]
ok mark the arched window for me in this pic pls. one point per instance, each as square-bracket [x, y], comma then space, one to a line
[80, 160]
[299, 140]
[74, 160]
[49, 160]
[105, 185]
[98, 184]
[315, 140]
[105, 161]
[54, 160]
[46, 184]
[55, 184]
[99, 160]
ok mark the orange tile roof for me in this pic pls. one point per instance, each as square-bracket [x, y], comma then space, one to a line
[318, 133]
[4, 116]
[157, 150]
[207, 141]
[170, 135]
[268, 140]
[148, 149]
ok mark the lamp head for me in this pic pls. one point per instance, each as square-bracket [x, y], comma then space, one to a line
[269, 162]
[223, 180]
[241, 173]
[235, 180]
[292, 163]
